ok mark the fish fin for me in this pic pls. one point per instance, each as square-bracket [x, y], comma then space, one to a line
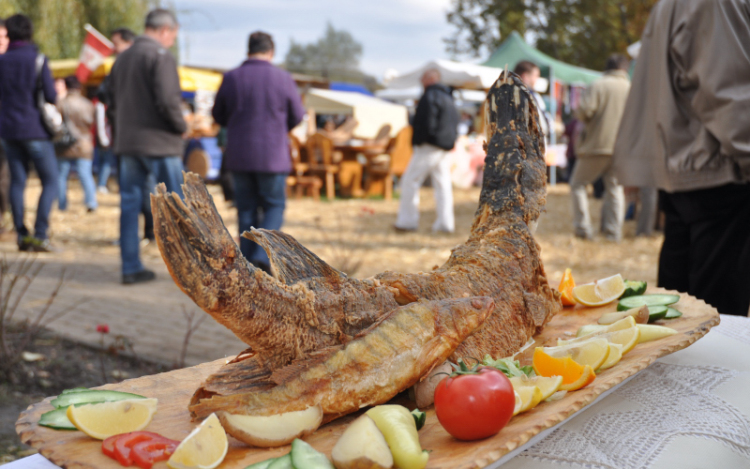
[244, 355]
[291, 262]
[291, 371]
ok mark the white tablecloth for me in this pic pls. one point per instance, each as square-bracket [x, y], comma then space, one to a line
[689, 409]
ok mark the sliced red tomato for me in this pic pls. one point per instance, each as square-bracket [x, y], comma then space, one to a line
[474, 403]
[108, 446]
[146, 453]
[119, 447]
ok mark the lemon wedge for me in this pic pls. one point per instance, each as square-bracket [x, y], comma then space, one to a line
[614, 356]
[105, 419]
[628, 337]
[204, 448]
[601, 292]
[530, 397]
[593, 351]
[548, 385]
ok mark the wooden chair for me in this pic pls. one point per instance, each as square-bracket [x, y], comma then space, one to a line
[344, 132]
[382, 138]
[320, 161]
[297, 182]
[382, 168]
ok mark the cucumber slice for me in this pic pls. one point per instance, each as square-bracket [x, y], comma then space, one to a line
[92, 396]
[68, 391]
[262, 464]
[56, 419]
[284, 462]
[305, 456]
[656, 312]
[634, 287]
[672, 314]
[648, 300]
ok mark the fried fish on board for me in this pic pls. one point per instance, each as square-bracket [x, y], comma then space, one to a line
[308, 306]
[382, 361]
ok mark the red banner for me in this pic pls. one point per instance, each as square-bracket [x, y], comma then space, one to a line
[95, 49]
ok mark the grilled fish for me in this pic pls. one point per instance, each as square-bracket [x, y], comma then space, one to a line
[308, 306]
[385, 359]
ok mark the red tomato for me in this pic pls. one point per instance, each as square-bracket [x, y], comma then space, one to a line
[108, 446]
[474, 406]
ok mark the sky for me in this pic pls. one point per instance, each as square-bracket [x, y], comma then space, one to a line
[395, 34]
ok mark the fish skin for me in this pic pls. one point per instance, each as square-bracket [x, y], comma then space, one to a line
[308, 306]
[500, 259]
[281, 322]
[384, 360]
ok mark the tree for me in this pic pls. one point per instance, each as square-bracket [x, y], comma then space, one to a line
[334, 56]
[58, 24]
[581, 32]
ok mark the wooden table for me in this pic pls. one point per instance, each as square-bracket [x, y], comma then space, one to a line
[173, 389]
[351, 173]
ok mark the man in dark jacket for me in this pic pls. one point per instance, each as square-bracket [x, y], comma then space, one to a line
[258, 104]
[22, 133]
[145, 101]
[435, 132]
[685, 131]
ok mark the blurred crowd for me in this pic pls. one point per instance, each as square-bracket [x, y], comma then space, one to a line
[665, 136]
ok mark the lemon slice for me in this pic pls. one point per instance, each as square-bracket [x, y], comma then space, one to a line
[531, 396]
[548, 385]
[519, 403]
[204, 448]
[614, 356]
[106, 419]
[593, 351]
[601, 292]
[628, 338]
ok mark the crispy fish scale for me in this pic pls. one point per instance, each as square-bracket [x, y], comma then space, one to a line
[386, 359]
[279, 321]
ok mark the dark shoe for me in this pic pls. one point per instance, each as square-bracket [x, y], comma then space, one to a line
[398, 229]
[90, 210]
[41, 245]
[138, 277]
[24, 244]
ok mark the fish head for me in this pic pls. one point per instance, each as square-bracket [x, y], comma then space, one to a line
[460, 317]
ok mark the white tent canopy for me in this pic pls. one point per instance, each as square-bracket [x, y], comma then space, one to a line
[456, 74]
[371, 113]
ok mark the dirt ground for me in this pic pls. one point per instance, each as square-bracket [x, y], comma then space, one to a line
[356, 235]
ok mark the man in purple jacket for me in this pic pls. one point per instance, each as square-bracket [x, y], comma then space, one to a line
[259, 104]
[25, 139]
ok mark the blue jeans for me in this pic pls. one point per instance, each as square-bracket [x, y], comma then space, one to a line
[20, 154]
[260, 200]
[106, 160]
[135, 172]
[83, 168]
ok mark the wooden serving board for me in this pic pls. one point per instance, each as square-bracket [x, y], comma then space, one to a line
[174, 389]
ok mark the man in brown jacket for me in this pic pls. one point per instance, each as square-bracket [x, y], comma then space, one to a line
[146, 104]
[686, 130]
[600, 110]
[78, 113]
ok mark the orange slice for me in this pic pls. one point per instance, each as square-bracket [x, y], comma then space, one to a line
[574, 376]
[586, 378]
[566, 288]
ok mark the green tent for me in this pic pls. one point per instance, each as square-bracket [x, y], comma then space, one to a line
[514, 49]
